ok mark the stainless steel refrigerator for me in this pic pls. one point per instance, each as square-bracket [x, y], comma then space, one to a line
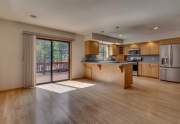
[170, 62]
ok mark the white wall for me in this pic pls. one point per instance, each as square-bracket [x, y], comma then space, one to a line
[77, 56]
[11, 52]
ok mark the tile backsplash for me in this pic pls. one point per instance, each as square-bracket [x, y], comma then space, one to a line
[91, 58]
[151, 58]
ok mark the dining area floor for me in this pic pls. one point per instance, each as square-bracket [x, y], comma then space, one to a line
[149, 101]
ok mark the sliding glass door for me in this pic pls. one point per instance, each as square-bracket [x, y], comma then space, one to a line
[43, 61]
[52, 61]
[60, 61]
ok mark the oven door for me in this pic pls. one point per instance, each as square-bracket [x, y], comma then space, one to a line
[135, 69]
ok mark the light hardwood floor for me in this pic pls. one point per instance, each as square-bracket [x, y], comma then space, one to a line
[149, 101]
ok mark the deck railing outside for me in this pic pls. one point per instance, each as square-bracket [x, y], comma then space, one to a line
[57, 66]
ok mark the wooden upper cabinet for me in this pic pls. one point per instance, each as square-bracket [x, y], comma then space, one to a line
[150, 48]
[134, 46]
[120, 49]
[145, 49]
[113, 49]
[165, 42]
[126, 49]
[170, 41]
[154, 48]
[91, 47]
[175, 41]
[120, 53]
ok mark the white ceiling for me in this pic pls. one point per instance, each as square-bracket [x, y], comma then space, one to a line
[136, 18]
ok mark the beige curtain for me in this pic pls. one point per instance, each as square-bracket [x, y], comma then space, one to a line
[29, 60]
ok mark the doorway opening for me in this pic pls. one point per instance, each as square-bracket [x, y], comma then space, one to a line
[52, 61]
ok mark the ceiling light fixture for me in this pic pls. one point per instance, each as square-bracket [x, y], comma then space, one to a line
[156, 28]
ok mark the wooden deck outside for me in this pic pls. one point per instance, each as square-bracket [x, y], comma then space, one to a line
[60, 71]
[41, 78]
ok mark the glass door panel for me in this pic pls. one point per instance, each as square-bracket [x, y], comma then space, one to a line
[43, 61]
[60, 61]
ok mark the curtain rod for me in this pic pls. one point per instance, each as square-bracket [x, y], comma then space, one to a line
[48, 36]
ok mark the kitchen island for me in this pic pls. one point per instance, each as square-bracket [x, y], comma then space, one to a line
[110, 72]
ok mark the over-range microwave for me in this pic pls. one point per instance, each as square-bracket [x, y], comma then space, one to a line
[134, 52]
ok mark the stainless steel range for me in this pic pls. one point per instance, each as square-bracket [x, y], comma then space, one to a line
[134, 56]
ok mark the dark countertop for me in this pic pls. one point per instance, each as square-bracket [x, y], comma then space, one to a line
[108, 62]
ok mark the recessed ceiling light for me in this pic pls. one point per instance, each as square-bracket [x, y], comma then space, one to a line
[102, 31]
[33, 16]
[117, 27]
[156, 28]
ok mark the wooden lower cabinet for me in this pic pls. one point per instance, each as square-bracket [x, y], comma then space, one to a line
[88, 72]
[148, 70]
[126, 49]
[139, 69]
[155, 70]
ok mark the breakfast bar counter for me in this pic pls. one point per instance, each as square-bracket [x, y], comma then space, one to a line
[110, 72]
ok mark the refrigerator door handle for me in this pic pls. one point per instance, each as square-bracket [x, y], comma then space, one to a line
[171, 56]
[167, 61]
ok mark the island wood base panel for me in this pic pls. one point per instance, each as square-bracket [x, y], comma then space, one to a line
[110, 73]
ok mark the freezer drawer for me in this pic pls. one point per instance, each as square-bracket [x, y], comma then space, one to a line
[162, 75]
[173, 74]
[170, 74]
